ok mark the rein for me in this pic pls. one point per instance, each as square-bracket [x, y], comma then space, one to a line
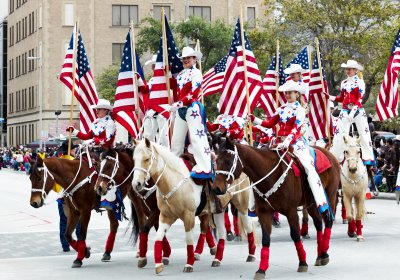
[46, 172]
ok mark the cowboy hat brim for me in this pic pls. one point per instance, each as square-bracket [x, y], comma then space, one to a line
[355, 66]
[196, 54]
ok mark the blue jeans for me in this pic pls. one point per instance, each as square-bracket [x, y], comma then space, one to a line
[63, 225]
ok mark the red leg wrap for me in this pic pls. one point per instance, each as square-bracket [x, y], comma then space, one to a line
[264, 263]
[252, 245]
[344, 216]
[81, 249]
[166, 247]
[158, 251]
[190, 254]
[359, 227]
[326, 239]
[143, 239]
[74, 244]
[276, 216]
[220, 249]
[110, 241]
[210, 238]
[320, 238]
[301, 253]
[227, 222]
[200, 243]
[235, 225]
[352, 226]
[304, 229]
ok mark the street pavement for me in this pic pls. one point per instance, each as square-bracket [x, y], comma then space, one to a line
[30, 247]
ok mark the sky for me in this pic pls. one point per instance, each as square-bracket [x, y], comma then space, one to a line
[3, 8]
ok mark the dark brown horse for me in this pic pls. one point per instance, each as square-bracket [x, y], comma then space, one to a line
[283, 197]
[77, 179]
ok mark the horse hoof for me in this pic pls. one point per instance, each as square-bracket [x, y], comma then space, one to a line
[318, 261]
[238, 238]
[137, 255]
[165, 261]
[230, 236]
[251, 258]
[77, 263]
[344, 222]
[106, 257]
[351, 234]
[87, 252]
[260, 275]
[306, 236]
[197, 256]
[142, 262]
[159, 268]
[188, 268]
[213, 251]
[360, 238]
[216, 263]
[303, 267]
[324, 258]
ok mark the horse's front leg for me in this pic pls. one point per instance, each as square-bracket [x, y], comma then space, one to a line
[220, 223]
[248, 226]
[351, 227]
[293, 220]
[317, 219]
[359, 201]
[111, 236]
[205, 235]
[265, 218]
[163, 226]
[83, 250]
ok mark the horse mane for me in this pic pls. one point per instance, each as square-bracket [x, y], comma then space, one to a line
[34, 168]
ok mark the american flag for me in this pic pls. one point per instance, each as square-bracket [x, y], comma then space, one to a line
[301, 59]
[85, 89]
[213, 80]
[268, 99]
[233, 98]
[159, 93]
[317, 114]
[388, 97]
[125, 97]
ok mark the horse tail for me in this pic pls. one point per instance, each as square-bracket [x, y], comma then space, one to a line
[134, 222]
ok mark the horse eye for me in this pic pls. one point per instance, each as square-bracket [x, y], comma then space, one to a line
[345, 152]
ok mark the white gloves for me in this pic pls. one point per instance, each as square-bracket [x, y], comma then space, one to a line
[88, 142]
[175, 106]
[352, 113]
[74, 131]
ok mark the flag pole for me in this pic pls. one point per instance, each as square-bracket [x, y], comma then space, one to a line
[134, 68]
[277, 82]
[245, 75]
[71, 109]
[165, 56]
[324, 90]
[201, 71]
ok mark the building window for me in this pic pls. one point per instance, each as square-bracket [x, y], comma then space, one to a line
[117, 50]
[123, 14]
[23, 29]
[11, 69]
[202, 12]
[26, 27]
[16, 27]
[251, 17]
[157, 11]
[11, 6]
[69, 14]
[33, 23]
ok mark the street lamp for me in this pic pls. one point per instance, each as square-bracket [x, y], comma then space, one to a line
[39, 58]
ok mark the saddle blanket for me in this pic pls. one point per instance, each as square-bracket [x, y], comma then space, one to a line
[322, 163]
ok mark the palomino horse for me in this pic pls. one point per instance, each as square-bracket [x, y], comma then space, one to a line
[77, 179]
[276, 188]
[354, 182]
[117, 167]
[177, 195]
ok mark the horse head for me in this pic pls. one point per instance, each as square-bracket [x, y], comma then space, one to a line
[42, 181]
[145, 159]
[352, 153]
[109, 169]
[229, 166]
[217, 139]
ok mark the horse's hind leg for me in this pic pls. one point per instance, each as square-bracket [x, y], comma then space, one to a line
[83, 250]
[248, 226]
[204, 230]
[265, 218]
[304, 225]
[219, 222]
[359, 201]
[111, 236]
[317, 219]
[293, 220]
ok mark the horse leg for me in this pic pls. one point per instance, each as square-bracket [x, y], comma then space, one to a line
[328, 221]
[344, 215]
[349, 215]
[359, 201]
[83, 250]
[234, 212]
[265, 218]
[314, 213]
[111, 236]
[189, 225]
[163, 226]
[248, 226]
[72, 221]
[304, 225]
[219, 222]
[293, 220]
[228, 228]
[202, 236]
[210, 241]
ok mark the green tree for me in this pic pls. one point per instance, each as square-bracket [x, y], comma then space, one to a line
[106, 82]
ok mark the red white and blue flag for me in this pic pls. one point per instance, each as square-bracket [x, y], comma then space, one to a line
[388, 97]
[85, 89]
[213, 80]
[301, 59]
[125, 102]
[233, 98]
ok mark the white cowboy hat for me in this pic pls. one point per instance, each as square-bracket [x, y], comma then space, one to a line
[352, 64]
[292, 86]
[152, 60]
[188, 51]
[294, 68]
[102, 104]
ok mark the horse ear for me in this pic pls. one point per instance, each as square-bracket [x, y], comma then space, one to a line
[147, 142]
[358, 140]
[31, 161]
[229, 144]
[39, 161]
[134, 141]
[345, 139]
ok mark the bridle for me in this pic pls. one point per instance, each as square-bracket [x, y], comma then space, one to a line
[231, 172]
[45, 175]
[114, 172]
[348, 159]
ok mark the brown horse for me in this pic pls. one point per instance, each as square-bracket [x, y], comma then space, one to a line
[77, 179]
[275, 191]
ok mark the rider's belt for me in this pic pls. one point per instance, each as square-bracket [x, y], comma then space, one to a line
[350, 106]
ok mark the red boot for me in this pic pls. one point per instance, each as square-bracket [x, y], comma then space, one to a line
[351, 228]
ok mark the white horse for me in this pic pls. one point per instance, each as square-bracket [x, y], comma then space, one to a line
[354, 180]
[177, 195]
